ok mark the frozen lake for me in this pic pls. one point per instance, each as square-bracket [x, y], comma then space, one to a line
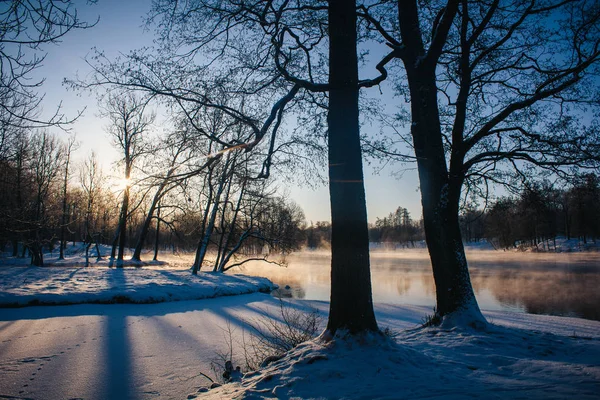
[564, 284]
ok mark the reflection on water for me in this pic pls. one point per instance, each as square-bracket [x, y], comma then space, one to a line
[555, 284]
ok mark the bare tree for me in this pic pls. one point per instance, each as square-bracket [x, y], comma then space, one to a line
[213, 204]
[492, 85]
[90, 179]
[45, 165]
[258, 224]
[129, 122]
[181, 162]
[26, 29]
[271, 53]
[69, 147]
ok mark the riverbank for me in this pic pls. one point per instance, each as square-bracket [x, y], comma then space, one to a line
[26, 286]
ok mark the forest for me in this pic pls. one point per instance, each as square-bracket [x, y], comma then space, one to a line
[49, 200]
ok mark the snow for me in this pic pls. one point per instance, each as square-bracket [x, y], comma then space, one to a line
[66, 285]
[143, 351]
[563, 245]
[510, 360]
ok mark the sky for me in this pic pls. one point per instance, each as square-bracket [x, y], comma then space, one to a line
[119, 29]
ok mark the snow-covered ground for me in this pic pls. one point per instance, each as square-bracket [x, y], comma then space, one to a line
[146, 351]
[163, 350]
[428, 363]
[68, 281]
[563, 245]
[65, 285]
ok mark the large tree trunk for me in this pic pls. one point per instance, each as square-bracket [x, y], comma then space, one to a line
[440, 196]
[351, 306]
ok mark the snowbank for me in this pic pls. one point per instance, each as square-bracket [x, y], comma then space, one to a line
[426, 363]
[21, 286]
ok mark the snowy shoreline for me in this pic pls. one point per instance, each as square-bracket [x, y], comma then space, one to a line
[31, 286]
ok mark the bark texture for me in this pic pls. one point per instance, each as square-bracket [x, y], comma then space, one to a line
[351, 306]
[440, 190]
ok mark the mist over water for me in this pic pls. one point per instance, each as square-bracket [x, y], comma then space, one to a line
[565, 284]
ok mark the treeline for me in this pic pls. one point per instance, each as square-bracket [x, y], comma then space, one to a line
[533, 218]
[398, 229]
[539, 214]
[170, 196]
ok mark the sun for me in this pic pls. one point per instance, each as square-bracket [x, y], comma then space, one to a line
[122, 184]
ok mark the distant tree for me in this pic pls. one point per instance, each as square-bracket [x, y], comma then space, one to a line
[129, 121]
[45, 163]
[501, 221]
[318, 235]
[537, 212]
[90, 178]
[398, 227]
[69, 147]
[472, 224]
[584, 199]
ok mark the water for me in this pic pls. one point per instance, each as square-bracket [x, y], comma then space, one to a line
[565, 284]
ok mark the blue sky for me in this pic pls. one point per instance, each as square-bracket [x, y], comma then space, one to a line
[119, 30]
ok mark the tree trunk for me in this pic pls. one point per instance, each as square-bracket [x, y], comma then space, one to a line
[113, 250]
[137, 253]
[156, 238]
[440, 197]
[15, 247]
[220, 249]
[98, 254]
[63, 225]
[209, 228]
[203, 247]
[234, 250]
[351, 306]
[123, 227]
[220, 266]
[197, 264]
[37, 257]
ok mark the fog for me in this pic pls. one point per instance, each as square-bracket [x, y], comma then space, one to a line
[541, 283]
[564, 284]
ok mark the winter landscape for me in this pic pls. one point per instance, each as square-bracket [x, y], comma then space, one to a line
[321, 199]
[102, 349]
